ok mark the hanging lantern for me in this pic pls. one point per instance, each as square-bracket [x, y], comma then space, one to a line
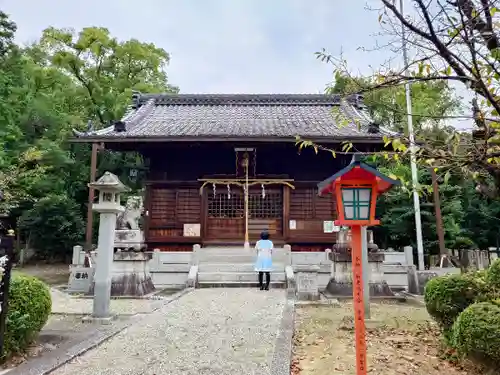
[228, 191]
[263, 191]
[214, 188]
[133, 172]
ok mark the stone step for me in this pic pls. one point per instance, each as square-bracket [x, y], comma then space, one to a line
[236, 276]
[235, 267]
[241, 284]
[234, 251]
[235, 259]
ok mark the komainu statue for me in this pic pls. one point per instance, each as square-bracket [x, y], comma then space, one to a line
[131, 217]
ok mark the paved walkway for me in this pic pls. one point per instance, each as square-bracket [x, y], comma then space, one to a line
[206, 332]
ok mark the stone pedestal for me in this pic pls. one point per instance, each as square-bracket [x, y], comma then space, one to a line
[341, 282]
[307, 282]
[80, 279]
[130, 274]
[129, 240]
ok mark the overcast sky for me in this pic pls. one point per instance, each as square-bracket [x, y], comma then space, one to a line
[225, 46]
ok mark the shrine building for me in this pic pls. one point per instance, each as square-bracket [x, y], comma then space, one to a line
[203, 151]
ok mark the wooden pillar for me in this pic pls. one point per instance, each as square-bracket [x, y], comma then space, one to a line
[90, 214]
[203, 215]
[286, 212]
[147, 212]
[437, 209]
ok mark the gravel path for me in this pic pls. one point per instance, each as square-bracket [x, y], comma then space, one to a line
[206, 332]
[63, 303]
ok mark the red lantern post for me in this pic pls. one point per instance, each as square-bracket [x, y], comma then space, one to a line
[356, 188]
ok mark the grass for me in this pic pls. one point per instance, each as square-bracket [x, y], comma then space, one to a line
[401, 339]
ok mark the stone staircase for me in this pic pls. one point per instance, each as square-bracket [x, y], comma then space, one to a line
[234, 267]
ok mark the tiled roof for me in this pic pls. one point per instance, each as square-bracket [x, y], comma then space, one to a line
[173, 116]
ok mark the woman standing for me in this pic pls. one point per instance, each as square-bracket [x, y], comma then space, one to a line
[264, 263]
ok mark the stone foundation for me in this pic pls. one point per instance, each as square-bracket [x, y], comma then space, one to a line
[380, 289]
[307, 282]
[130, 275]
[341, 283]
[129, 240]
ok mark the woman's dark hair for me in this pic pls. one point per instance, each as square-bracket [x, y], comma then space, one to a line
[264, 235]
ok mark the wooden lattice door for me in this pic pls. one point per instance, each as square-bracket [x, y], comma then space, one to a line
[265, 212]
[226, 213]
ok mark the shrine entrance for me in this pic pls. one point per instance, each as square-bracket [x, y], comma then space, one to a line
[225, 212]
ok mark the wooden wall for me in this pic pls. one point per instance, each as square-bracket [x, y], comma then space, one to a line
[173, 195]
[169, 209]
[309, 211]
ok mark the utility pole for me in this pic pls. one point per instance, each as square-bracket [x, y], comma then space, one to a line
[414, 172]
[90, 213]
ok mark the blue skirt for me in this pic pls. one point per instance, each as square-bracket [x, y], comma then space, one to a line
[264, 263]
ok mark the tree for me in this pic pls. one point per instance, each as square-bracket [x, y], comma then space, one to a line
[7, 31]
[105, 69]
[46, 90]
[431, 102]
[53, 226]
[452, 41]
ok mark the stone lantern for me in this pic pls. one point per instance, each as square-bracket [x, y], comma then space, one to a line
[109, 187]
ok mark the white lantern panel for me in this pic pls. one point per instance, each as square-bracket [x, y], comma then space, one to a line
[348, 195]
[364, 195]
[364, 212]
[349, 212]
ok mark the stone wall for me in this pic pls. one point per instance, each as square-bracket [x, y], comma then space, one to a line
[170, 269]
[320, 259]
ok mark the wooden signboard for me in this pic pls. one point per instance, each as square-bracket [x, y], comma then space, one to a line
[192, 230]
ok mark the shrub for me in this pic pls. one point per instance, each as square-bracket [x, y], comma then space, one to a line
[447, 296]
[476, 332]
[492, 277]
[53, 225]
[29, 308]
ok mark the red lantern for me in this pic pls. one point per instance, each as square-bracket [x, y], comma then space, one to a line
[356, 188]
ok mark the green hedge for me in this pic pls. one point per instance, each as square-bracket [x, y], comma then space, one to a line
[447, 296]
[476, 332]
[493, 275]
[30, 305]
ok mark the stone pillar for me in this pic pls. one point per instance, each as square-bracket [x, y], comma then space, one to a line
[76, 255]
[288, 255]
[194, 255]
[108, 206]
[409, 255]
[307, 282]
[102, 278]
[479, 260]
[328, 253]
[411, 270]
[493, 254]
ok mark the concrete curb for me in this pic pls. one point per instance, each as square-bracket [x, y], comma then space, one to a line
[48, 363]
[414, 298]
[282, 356]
